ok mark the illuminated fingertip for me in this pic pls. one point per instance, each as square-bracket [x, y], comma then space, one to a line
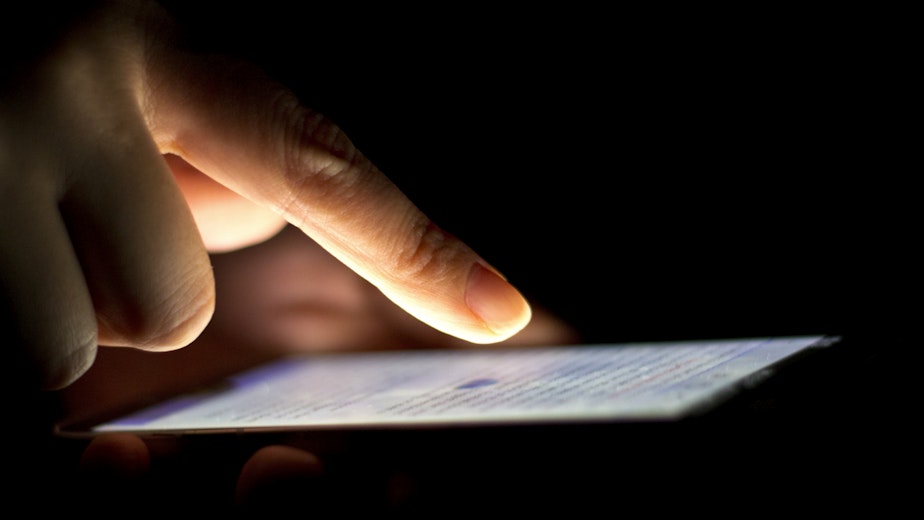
[498, 304]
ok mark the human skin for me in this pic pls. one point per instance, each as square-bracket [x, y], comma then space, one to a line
[124, 156]
[282, 296]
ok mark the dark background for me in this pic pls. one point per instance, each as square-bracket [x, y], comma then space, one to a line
[645, 173]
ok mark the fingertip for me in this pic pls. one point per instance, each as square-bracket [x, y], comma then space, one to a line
[277, 475]
[116, 457]
[498, 304]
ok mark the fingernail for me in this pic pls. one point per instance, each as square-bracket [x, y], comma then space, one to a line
[502, 308]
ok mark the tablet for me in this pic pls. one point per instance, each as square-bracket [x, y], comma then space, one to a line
[484, 386]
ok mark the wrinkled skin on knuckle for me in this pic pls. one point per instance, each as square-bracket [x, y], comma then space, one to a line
[317, 160]
[352, 209]
[329, 185]
[336, 192]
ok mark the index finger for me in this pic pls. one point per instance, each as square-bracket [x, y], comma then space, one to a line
[254, 136]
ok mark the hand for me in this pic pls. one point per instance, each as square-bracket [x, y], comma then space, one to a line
[118, 146]
[281, 296]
